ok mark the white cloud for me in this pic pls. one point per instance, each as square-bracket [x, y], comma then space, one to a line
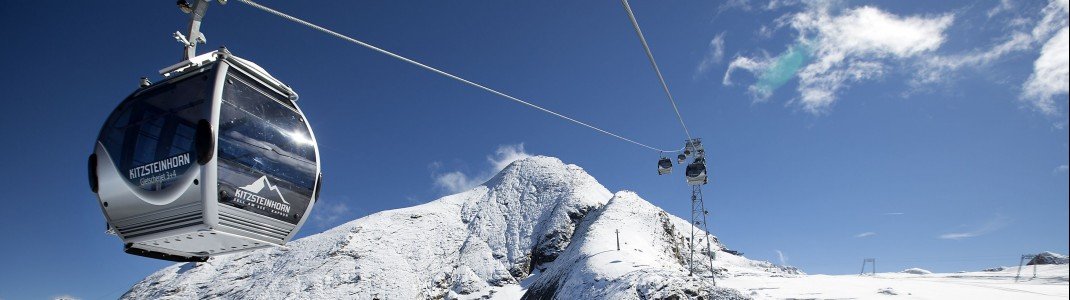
[328, 211]
[1050, 74]
[505, 155]
[1004, 6]
[1049, 77]
[894, 214]
[1061, 169]
[1050, 70]
[65, 297]
[456, 181]
[746, 5]
[783, 258]
[734, 4]
[865, 234]
[839, 47]
[713, 56]
[744, 63]
[855, 46]
[996, 223]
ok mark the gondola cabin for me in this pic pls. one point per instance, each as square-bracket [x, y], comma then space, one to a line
[664, 166]
[215, 159]
[696, 172]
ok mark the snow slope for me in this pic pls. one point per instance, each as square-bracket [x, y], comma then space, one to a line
[542, 229]
[1050, 283]
[651, 262]
[459, 244]
[485, 242]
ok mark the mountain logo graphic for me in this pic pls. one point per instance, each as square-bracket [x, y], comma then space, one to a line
[258, 186]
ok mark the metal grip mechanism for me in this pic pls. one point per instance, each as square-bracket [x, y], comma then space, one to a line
[196, 13]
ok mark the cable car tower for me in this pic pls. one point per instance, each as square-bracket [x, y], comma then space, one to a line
[696, 178]
[696, 170]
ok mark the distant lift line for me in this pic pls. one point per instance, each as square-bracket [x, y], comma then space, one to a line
[454, 77]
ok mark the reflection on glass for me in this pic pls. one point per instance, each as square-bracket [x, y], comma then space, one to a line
[150, 135]
[267, 160]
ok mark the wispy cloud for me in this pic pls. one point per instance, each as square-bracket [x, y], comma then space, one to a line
[865, 234]
[773, 72]
[1003, 6]
[328, 211]
[893, 214]
[1061, 169]
[783, 258]
[714, 55]
[1050, 76]
[995, 223]
[1050, 70]
[452, 182]
[839, 47]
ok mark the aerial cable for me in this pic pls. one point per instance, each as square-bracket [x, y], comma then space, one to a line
[440, 72]
[650, 56]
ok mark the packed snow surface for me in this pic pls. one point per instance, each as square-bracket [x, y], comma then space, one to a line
[1050, 283]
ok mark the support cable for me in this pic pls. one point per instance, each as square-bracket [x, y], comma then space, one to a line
[650, 56]
[443, 73]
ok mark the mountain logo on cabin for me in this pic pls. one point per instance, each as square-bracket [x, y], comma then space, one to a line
[258, 186]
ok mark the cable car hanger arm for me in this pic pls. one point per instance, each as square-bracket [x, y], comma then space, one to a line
[196, 11]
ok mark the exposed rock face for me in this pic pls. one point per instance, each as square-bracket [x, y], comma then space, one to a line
[916, 271]
[1049, 258]
[652, 262]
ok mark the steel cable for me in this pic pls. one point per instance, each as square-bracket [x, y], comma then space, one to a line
[443, 73]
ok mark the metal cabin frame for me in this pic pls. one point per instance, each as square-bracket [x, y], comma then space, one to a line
[186, 221]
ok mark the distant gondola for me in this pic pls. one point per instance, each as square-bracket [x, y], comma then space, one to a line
[664, 166]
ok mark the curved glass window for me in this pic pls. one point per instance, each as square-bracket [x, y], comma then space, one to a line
[150, 135]
[267, 160]
[665, 163]
[695, 170]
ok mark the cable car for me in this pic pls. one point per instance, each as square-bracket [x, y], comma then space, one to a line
[696, 172]
[664, 166]
[681, 158]
[216, 159]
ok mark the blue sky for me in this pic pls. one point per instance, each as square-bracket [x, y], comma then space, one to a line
[928, 136]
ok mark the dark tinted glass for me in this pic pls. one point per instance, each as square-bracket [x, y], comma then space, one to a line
[267, 161]
[664, 163]
[695, 169]
[150, 135]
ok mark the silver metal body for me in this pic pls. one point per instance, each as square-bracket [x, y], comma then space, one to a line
[696, 178]
[186, 221]
[696, 170]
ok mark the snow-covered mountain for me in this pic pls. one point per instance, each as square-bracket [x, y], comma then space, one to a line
[540, 229]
